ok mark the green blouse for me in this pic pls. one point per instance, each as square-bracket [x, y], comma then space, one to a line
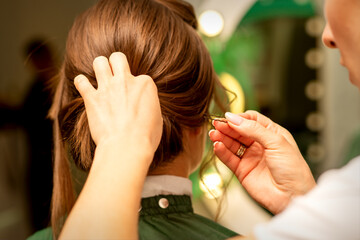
[168, 217]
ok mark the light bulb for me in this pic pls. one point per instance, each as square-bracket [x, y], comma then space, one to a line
[211, 23]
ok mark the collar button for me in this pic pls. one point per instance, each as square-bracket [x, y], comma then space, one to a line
[163, 203]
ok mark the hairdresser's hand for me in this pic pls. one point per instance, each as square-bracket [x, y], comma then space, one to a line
[123, 106]
[126, 124]
[272, 168]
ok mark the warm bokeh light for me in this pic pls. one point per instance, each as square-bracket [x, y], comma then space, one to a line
[211, 23]
[314, 26]
[238, 104]
[211, 185]
[314, 58]
[314, 90]
[315, 121]
[316, 152]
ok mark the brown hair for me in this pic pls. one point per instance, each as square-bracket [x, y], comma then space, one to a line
[159, 39]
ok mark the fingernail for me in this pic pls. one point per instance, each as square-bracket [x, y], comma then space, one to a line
[233, 118]
[212, 130]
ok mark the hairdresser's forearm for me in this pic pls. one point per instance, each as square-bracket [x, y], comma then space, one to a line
[107, 208]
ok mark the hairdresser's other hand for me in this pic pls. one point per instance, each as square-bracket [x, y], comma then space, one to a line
[272, 168]
[126, 124]
[123, 106]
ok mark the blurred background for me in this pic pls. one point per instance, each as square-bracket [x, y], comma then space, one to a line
[269, 52]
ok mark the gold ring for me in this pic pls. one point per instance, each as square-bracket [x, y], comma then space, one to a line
[240, 152]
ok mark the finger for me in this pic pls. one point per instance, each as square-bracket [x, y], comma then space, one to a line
[230, 143]
[256, 116]
[264, 121]
[119, 64]
[254, 130]
[226, 156]
[146, 85]
[224, 128]
[269, 124]
[102, 70]
[84, 87]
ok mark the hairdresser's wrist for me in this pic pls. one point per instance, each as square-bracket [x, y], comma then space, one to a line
[282, 203]
[141, 144]
[120, 164]
[140, 140]
[117, 150]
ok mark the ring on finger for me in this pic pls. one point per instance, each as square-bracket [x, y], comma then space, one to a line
[240, 152]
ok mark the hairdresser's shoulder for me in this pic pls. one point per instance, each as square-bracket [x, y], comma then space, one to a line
[44, 234]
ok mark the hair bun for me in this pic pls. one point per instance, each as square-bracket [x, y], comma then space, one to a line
[182, 9]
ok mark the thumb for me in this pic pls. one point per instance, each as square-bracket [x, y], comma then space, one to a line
[253, 130]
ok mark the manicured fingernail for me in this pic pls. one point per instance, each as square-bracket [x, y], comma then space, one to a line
[212, 130]
[233, 118]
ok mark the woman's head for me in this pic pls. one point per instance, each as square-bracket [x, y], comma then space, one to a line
[159, 39]
[342, 32]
